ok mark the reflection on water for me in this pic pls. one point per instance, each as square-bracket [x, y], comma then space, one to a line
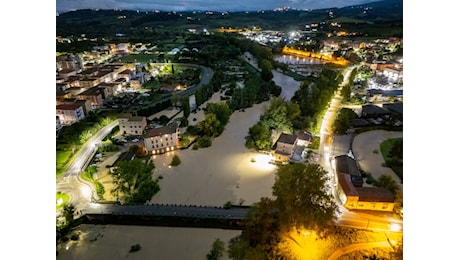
[289, 59]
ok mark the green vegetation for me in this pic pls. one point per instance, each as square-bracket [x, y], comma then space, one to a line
[392, 151]
[61, 200]
[217, 250]
[301, 201]
[388, 183]
[313, 98]
[88, 175]
[135, 248]
[71, 138]
[175, 161]
[280, 116]
[227, 205]
[301, 197]
[133, 181]
[343, 121]
[315, 143]
[144, 58]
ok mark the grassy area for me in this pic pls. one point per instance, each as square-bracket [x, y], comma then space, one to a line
[62, 157]
[139, 58]
[395, 164]
[87, 175]
[61, 200]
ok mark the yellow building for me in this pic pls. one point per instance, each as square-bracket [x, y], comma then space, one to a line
[351, 192]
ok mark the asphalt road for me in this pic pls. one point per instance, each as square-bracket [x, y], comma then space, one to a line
[70, 183]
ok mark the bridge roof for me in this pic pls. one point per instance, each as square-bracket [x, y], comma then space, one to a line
[167, 210]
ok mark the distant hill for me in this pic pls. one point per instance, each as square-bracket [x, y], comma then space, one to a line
[100, 23]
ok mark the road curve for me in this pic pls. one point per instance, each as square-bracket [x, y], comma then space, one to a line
[345, 250]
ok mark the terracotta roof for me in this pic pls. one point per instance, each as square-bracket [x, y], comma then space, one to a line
[160, 131]
[68, 106]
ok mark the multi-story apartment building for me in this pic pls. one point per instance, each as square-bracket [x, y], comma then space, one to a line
[162, 139]
[70, 113]
[132, 125]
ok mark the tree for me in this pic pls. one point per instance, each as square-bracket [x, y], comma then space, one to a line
[275, 115]
[343, 121]
[217, 250]
[261, 225]
[210, 126]
[221, 110]
[185, 106]
[346, 92]
[301, 197]
[239, 249]
[175, 161]
[260, 137]
[133, 181]
[68, 212]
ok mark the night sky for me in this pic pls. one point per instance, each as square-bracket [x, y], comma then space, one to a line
[202, 5]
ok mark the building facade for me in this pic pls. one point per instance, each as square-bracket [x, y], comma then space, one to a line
[70, 113]
[162, 139]
[352, 193]
[132, 125]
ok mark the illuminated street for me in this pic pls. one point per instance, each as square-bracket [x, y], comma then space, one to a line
[70, 183]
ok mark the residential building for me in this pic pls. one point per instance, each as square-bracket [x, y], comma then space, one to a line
[70, 113]
[58, 123]
[132, 125]
[162, 139]
[291, 147]
[85, 104]
[352, 193]
[110, 89]
[285, 147]
[93, 95]
[364, 198]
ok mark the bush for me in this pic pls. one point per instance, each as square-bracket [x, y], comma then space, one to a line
[227, 205]
[204, 141]
[74, 237]
[135, 248]
[175, 161]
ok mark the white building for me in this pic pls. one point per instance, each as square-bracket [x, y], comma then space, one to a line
[58, 123]
[162, 139]
[132, 125]
[70, 113]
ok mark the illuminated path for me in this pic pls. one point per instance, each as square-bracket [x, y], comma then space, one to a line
[345, 250]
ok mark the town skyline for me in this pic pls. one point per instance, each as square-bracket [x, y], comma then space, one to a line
[204, 5]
